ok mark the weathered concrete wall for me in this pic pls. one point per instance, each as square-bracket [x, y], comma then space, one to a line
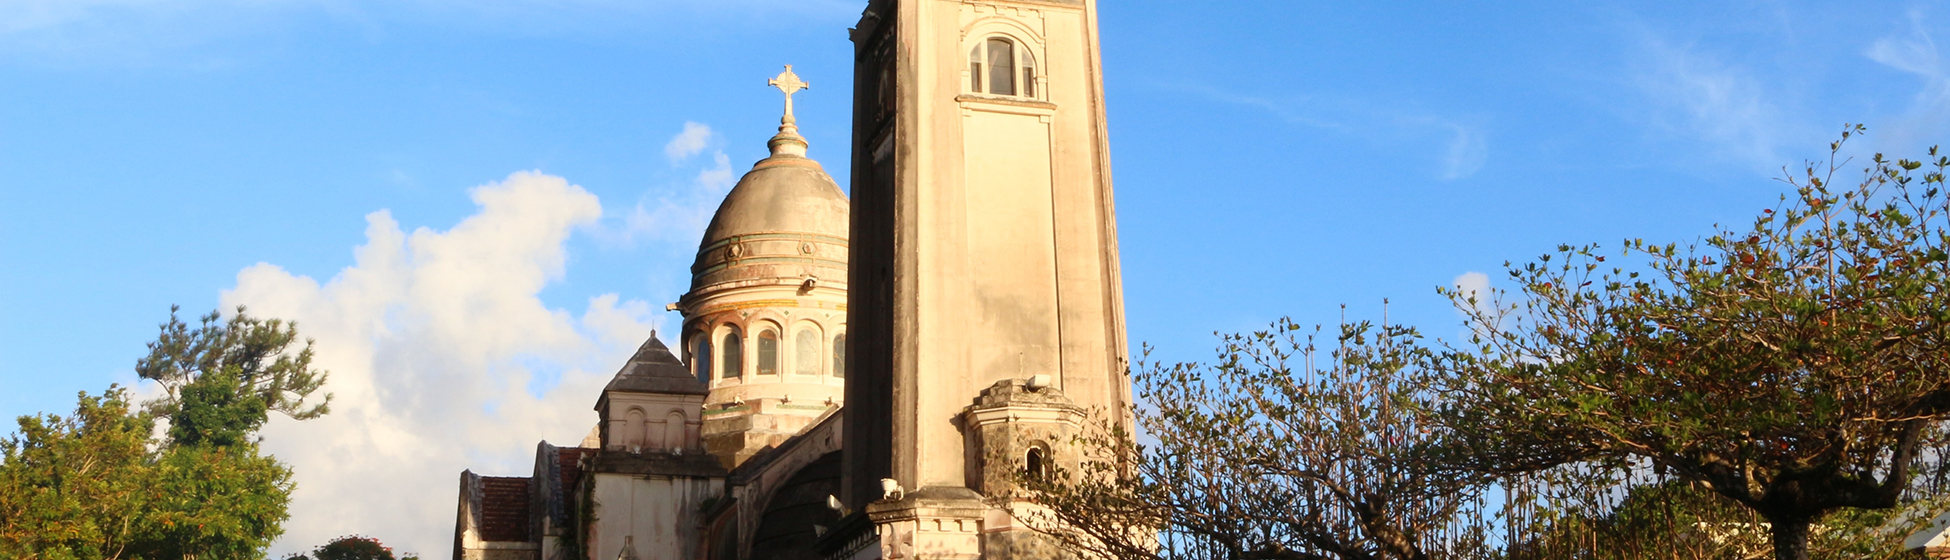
[994, 234]
[658, 514]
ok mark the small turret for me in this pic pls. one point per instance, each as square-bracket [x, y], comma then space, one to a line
[652, 405]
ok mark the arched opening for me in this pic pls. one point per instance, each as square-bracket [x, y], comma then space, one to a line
[734, 355]
[701, 359]
[1002, 66]
[674, 431]
[632, 435]
[768, 352]
[1036, 463]
[786, 528]
[805, 347]
[997, 64]
[839, 356]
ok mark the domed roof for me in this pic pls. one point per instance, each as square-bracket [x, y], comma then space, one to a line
[786, 219]
[782, 194]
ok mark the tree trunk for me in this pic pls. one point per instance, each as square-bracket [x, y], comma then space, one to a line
[1791, 537]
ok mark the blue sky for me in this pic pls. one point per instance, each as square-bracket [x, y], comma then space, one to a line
[479, 206]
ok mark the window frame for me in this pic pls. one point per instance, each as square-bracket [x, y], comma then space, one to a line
[731, 349]
[767, 335]
[1025, 77]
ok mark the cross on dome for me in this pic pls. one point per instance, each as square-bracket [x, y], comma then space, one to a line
[789, 83]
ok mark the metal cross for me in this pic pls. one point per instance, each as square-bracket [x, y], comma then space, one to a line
[789, 83]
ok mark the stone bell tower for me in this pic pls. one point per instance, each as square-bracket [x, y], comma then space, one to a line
[984, 261]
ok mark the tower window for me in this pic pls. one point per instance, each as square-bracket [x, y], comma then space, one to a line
[768, 353]
[839, 356]
[994, 66]
[1036, 463]
[701, 359]
[734, 356]
[806, 352]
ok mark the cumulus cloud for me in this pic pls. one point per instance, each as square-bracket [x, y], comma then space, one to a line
[442, 358]
[689, 142]
[1475, 285]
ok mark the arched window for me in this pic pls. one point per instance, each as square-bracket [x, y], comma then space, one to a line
[996, 65]
[1036, 463]
[701, 359]
[674, 431]
[734, 356]
[805, 349]
[632, 435]
[839, 356]
[768, 352]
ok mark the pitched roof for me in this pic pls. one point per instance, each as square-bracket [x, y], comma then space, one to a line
[655, 370]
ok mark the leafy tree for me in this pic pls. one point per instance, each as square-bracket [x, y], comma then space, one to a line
[1279, 450]
[214, 502]
[1792, 367]
[257, 352]
[73, 487]
[1680, 520]
[217, 409]
[352, 547]
[95, 485]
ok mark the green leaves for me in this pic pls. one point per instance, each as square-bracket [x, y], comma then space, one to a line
[1281, 449]
[257, 352]
[71, 487]
[95, 484]
[1769, 364]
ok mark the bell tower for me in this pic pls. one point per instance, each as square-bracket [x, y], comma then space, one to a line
[984, 259]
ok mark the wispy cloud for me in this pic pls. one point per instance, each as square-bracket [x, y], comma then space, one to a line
[1728, 108]
[1456, 147]
[435, 340]
[1466, 153]
[677, 214]
[1915, 52]
[141, 30]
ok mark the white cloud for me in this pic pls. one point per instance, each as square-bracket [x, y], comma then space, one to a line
[1465, 155]
[161, 31]
[1474, 285]
[689, 142]
[1729, 109]
[679, 215]
[1458, 149]
[1916, 53]
[434, 341]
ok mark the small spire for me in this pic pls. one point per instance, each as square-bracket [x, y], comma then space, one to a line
[788, 141]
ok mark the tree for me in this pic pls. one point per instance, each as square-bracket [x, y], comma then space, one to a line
[95, 485]
[217, 409]
[214, 502]
[352, 547]
[256, 352]
[1278, 450]
[72, 488]
[1792, 367]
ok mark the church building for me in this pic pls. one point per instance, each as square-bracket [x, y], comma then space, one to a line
[862, 378]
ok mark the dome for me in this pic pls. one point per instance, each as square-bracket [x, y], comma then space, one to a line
[786, 219]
